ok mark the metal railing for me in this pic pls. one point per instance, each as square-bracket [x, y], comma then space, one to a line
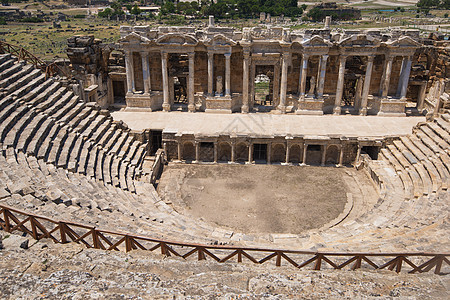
[40, 227]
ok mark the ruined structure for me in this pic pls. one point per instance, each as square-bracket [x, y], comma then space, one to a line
[309, 72]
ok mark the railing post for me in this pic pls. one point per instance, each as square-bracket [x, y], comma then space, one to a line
[6, 217]
[128, 243]
[439, 260]
[278, 263]
[62, 232]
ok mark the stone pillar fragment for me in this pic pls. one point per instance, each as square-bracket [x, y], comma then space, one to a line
[129, 71]
[365, 93]
[303, 73]
[250, 153]
[165, 77]
[210, 73]
[287, 154]
[340, 85]
[215, 151]
[387, 77]
[405, 79]
[324, 155]
[245, 95]
[305, 149]
[145, 72]
[321, 80]
[283, 89]
[227, 74]
[191, 100]
[197, 151]
[341, 155]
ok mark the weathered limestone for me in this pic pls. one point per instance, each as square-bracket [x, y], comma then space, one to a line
[193, 60]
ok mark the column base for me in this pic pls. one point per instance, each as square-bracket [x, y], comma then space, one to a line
[363, 111]
[166, 107]
[191, 108]
[244, 109]
[337, 110]
[281, 109]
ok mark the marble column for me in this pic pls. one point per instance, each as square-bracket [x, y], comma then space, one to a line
[341, 156]
[340, 85]
[324, 155]
[421, 97]
[303, 73]
[179, 150]
[129, 71]
[269, 153]
[227, 74]
[366, 88]
[191, 101]
[283, 89]
[405, 77]
[305, 149]
[358, 153]
[215, 151]
[245, 94]
[250, 153]
[387, 76]
[233, 152]
[323, 70]
[165, 77]
[287, 154]
[197, 151]
[145, 72]
[210, 73]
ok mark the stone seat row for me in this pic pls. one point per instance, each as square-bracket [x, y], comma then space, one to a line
[33, 185]
[41, 117]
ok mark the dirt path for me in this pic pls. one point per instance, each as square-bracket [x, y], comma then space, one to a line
[259, 198]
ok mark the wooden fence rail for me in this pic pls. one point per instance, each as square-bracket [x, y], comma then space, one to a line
[25, 55]
[40, 227]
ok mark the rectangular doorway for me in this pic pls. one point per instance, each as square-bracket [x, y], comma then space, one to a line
[155, 141]
[260, 152]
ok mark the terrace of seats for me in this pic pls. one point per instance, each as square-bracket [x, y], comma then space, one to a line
[68, 160]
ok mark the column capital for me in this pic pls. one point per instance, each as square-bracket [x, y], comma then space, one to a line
[305, 56]
[286, 54]
[343, 57]
[164, 54]
[191, 55]
[325, 57]
[370, 57]
[144, 53]
[210, 54]
[227, 55]
[389, 57]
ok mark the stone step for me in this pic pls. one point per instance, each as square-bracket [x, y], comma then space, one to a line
[106, 168]
[428, 142]
[8, 68]
[30, 86]
[51, 100]
[42, 95]
[46, 146]
[12, 137]
[57, 146]
[419, 144]
[101, 130]
[41, 134]
[58, 104]
[72, 113]
[92, 162]
[118, 144]
[23, 81]
[411, 147]
[435, 137]
[85, 112]
[29, 132]
[99, 165]
[443, 124]
[68, 148]
[6, 63]
[16, 76]
[64, 110]
[41, 88]
[11, 121]
[125, 147]
[84, 157]
[113, 140]
[440, 132]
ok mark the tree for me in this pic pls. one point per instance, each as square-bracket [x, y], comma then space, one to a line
[135, 10]
[316, 14]
[427, 3]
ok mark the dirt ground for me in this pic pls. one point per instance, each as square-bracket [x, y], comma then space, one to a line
[257, 198]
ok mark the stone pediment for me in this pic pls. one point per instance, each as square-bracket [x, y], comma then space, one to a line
[403, 42]
[219, 40]
[177, 39]
[360, 40]
[134, 38]
[316, 41]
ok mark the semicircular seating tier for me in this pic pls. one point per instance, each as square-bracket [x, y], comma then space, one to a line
[68, 160]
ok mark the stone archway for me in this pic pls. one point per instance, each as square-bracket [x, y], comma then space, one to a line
[314, 154]
[295, 154]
